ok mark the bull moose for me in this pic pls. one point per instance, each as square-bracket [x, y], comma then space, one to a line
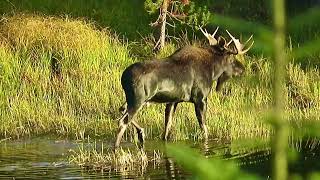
[185, 76]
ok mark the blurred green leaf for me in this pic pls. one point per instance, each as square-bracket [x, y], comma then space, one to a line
[293, 155]
[262, 34]
[307, 49]
[314, 176]
[307, 127]
[309, 18]
[240, 25]
[252, 145]
[203, 168]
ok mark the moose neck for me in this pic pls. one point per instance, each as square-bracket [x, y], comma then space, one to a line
[219, 62]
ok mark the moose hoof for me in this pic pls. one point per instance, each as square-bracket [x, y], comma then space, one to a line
[141, 136]
[115, 148]
[165, 138]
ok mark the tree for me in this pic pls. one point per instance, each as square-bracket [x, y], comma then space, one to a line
[171, 11]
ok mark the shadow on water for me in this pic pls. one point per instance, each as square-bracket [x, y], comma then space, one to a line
[45, 158]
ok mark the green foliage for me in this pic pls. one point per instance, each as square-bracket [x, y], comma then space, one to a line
[198, 16]
[152, 7]
[191, 14]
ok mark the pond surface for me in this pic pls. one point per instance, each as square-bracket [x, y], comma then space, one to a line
[46, 158]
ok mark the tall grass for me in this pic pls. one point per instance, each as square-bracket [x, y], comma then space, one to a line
[62, 76]
[59, 75]
[126, 17]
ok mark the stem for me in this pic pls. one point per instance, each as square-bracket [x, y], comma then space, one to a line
[280, 139]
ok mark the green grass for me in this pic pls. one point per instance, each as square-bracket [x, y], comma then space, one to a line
[128, 18]
[81, 97]
[39, 99]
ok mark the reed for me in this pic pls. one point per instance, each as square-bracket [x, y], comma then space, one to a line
[107, 160]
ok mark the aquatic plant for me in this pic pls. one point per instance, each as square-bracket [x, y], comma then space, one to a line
[107, 160]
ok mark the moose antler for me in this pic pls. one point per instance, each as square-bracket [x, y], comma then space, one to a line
[238, 45]
[210, 37]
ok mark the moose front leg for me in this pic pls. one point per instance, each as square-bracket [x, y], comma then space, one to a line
[201, 108]
[170, 109]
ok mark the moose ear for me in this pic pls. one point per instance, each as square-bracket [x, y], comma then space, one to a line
[221, 41]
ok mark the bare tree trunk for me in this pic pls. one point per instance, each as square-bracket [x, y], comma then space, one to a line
[163, 21]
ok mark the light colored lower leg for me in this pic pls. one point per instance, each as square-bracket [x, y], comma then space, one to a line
[122, 129]
[120, 120]
[167, 130]
[170, 108]
[205, 132]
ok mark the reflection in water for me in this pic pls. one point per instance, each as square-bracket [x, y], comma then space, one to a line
[172, 171]
[35, 160]
[47, 159]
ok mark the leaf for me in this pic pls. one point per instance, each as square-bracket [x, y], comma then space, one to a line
[308, 127]
[203, 168]
[262, 35]
[309, 18]
[307, 49]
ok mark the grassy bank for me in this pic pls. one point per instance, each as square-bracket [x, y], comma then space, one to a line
[58, 75]
[62, 76]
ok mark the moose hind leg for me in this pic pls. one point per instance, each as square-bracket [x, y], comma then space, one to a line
[122, 127]
[124, 124]
[200, 108]
[169, 111]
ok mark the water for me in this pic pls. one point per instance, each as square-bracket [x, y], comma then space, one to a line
[45, 158]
